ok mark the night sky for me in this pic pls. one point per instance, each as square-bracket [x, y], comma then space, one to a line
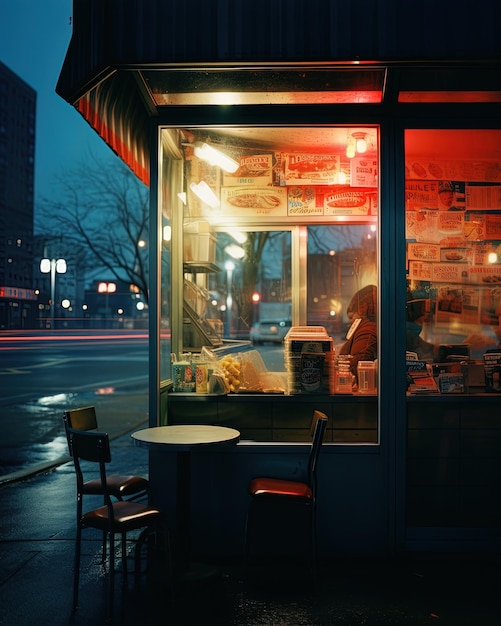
[34, 38]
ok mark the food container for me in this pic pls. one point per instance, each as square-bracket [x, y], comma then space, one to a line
[366, 373]
[344, 377]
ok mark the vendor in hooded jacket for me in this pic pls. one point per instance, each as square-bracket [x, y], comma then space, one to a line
[361, 339]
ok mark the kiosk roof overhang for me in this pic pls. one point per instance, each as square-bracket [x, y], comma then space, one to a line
[129, 60]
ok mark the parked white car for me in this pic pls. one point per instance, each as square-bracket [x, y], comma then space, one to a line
[269, 330]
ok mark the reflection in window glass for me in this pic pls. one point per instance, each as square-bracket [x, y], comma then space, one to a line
[342, 262]
[453, 217]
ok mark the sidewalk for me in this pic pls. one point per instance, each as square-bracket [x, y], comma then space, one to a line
[37, 529]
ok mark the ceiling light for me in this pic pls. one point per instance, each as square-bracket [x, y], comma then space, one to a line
[216, 157]
[361, 142]
[205, 193]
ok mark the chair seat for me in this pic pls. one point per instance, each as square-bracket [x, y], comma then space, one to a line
[118, 486]
[277, 487]
[126, 516]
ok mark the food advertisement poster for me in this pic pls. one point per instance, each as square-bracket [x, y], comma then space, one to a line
[363, 172]
[485, 274]
[346, 200]
[310, 169]
[255, 171]
[467, 171]
[254, 201]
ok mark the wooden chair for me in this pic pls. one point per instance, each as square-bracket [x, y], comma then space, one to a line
[121, 487]
[115, 517]
[270, 492]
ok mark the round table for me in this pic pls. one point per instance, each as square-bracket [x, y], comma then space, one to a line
[185, 437]
[182, 439]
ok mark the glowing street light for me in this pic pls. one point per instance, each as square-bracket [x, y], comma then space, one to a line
[107, 288]
[53, 267]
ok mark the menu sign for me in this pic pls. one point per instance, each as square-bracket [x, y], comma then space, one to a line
[363, 172]
[483, 197]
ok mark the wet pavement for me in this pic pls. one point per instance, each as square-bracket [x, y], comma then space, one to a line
[39, 441]
[37, 530]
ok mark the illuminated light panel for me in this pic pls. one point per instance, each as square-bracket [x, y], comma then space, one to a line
[449, 96]
[267, 97]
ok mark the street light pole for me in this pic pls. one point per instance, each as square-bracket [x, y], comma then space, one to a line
[229, 267]
[53, 266]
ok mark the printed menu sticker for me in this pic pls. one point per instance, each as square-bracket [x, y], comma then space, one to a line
[305, 201]
[483, 197]
[423, 252]
[363, 172]
[449, 272]
[254, 170]
[420, 194]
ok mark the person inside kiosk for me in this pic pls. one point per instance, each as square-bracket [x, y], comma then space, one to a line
[361, 339]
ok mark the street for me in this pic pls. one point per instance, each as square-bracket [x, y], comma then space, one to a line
[42, 374]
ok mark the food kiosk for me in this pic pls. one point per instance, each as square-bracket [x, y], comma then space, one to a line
[290, 166]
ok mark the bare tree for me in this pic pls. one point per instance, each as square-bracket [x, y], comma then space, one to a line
[103, 208]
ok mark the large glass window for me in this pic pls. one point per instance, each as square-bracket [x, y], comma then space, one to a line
[453, 231]
[274, 231]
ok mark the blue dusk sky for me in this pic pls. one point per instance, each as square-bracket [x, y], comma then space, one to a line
[34, 38]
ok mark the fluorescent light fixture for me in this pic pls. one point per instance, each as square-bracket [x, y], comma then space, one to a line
[205, 193]
[216, 157]
[167, 234]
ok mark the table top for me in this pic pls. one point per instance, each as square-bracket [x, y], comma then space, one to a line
[185, 437]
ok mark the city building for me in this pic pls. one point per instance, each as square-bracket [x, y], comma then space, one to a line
[18, 301]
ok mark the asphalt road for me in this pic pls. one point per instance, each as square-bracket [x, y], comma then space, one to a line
[43, 374]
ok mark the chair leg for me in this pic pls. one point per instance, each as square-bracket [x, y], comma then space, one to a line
[111, 574]
[76, 572]
[157, 542]
[105, 539]
[124, 561]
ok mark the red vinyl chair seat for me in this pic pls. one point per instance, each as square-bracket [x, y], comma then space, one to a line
[118, 486]
[278, 487]
[126, 516]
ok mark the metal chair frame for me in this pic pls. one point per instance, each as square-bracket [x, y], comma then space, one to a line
[122, 487]
[268, 490]
[115, 517]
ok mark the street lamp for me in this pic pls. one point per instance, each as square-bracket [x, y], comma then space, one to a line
[229, 266]
[107, 288]
[53, 266]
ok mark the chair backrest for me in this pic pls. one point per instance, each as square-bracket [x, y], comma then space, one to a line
[80, 419]
[318, 426]
[93, 447]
